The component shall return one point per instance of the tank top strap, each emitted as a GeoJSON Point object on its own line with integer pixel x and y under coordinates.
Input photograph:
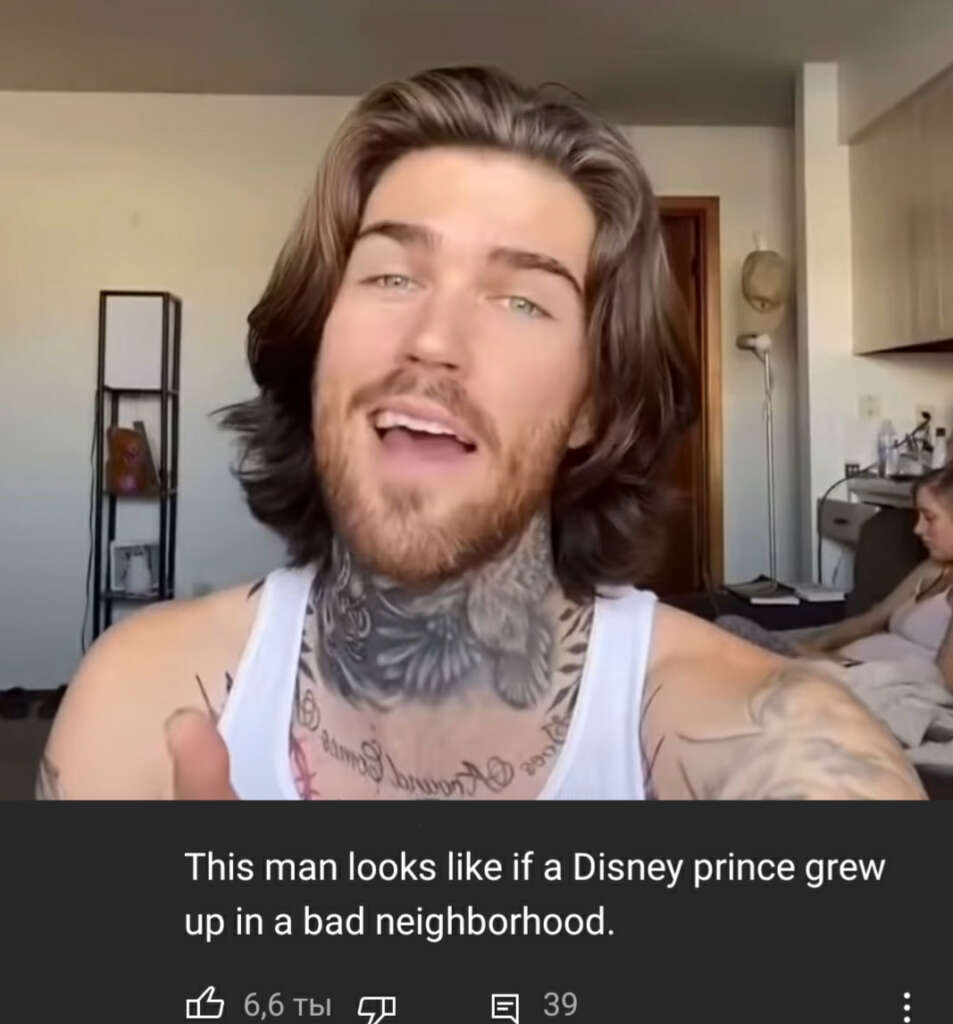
{"type": "Point", "coordinates": [602, 757]}
{"type": "Point", "coordinates": [255, 723]}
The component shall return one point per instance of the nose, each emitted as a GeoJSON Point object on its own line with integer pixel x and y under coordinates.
{"type": "Point", "coordinates": [439, 334]}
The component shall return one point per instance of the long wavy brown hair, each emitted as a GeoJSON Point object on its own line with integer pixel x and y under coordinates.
{"type": "Point", "coordinates": [607, 503]}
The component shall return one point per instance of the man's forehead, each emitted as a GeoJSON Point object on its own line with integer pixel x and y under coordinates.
{"type": "Point", "coordinates": [484, 201]}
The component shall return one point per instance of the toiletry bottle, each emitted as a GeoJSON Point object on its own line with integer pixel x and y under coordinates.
{"type": "Point", "coordinates": [886, 449]}
{"type": "Point", "coordinates": [939, 449]}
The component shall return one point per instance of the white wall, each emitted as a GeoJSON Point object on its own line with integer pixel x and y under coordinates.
{"type": "Point", "coordinates": [900, 382]}
{"type": "Point", "coordinates": [906, 45]}
{"type": "Point", "coordinates": [751, 170]}
{"type": "Point", "coordinates": [183, 193]}
{"type": "Point", "coordinates": [194, 194]}
{"type": "Point", "coordinates": [824, 292]}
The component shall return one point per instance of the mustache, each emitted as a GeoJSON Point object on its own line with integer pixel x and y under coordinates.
{"type": "Point", "coordinates": [444, 391]}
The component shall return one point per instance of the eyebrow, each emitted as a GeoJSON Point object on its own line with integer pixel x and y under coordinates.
{"type": "Point", "coordinates": [422, 237]}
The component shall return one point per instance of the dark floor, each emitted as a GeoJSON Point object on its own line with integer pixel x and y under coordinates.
{"type": "Point", "coordinates": [21, 744]}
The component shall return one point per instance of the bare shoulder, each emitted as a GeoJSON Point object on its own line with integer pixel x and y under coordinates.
{"type": "Point", "coordinates": [724, 719]}
{"type": "Point", "coordinates": [106, 741]}
{"type": "Point", "coordinates": [924, 575]}
{"type": "Point", "coordinates": [680, 639]}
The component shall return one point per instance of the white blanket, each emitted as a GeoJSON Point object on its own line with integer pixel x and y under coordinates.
{"type": "Point", "coordinates": [909, 697]}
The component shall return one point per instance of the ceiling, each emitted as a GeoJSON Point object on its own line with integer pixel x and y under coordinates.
{"type": "Point", "coordinates": [639, 61]}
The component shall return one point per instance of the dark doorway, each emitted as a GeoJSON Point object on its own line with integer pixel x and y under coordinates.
{"type": "Point", "coordinates": [694, 529]}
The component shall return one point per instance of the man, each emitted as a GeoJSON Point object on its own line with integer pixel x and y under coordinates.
{"type": "Point", "coordinates": [471, 366]}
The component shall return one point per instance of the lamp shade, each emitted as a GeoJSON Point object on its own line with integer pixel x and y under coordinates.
{"type": "Point", "coordinates": [765, 287]}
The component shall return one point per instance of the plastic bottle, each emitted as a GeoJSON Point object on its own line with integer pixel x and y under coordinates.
{"type": "Point", "coordinates": [938, 461]}
{"type": "Point", "coordinates": [886, 449]}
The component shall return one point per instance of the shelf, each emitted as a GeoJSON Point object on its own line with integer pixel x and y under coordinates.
{"type": "Point", "coordinates": [171, 493]}
{"type": "Point", "coordinates": [121, 595]}
{"type": "Point", "coordinates": [878, 490]}
{"type": "Point", "coordinates": [132, 328]}
{"type": "Point", "coordinates": [139, 391]}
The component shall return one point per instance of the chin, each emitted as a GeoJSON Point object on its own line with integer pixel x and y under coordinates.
{"type": "Point", "coordinates": [416, 545]}
{"type": "Point", "coordinates": [421, 522]}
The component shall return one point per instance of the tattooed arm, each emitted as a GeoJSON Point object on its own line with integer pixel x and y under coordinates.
{"type": "Point", "coordinates": [723, 720]}
{"type": "Point", "coordinates": [107, 741]}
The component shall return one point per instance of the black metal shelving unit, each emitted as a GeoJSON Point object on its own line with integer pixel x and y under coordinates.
{"type": "Point", "coordinates": [108, 405]}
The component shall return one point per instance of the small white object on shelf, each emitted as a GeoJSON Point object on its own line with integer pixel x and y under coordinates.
{"type": "Point", "coordinates": [817, 592]}
{"type": "Point", "coordinates": [763, 590]}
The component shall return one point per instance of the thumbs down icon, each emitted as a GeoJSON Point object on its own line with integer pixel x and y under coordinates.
{"type": "Point", "coordinates": [377, 1008]}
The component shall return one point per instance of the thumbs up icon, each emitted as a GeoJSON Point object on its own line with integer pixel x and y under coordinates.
{"type": "Point", "coordinates": [205, 1006]}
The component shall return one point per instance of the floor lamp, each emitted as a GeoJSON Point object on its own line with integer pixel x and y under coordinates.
{"type": "Point", "coordinates": [764, 285]}
{"type": "Point", "coordinates": [760, 345]}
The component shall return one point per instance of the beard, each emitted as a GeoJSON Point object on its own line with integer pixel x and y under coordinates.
{"type": "Point", "coordinates": [399, 530]}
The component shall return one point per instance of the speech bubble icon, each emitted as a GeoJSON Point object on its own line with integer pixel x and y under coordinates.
{"type": "Point", "coordinates": [505, 1006]}
{"type": "Point", "coordinates": [377, 1008]}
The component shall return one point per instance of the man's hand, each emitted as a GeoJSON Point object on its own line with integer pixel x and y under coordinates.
{"type": "Point", "coordinates": [200, 761]}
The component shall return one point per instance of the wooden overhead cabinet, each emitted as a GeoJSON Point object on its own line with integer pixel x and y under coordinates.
{"type": "Point", "coordinates": [901, 184]}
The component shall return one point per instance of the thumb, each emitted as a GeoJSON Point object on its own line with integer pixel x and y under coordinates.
{"type": "Point", "coordinates": [200, 763]}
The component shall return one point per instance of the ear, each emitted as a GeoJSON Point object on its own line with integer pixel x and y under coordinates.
{"type": "Point", "coordinates": [583, 428]}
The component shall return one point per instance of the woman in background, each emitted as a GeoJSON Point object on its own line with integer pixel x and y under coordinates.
{"type": "Point", "coordinates": [916, 619]}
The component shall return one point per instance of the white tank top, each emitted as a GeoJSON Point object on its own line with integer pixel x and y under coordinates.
{"type": "Point", "coordinates": [916, 630]}
{"type": "Point", "coordinates": [600, 758]}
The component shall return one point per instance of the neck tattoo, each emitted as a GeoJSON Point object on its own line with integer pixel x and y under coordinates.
{"type": "Point", "coordinates": [366, 757]}
{"type": "Point", "coordinates": [505, 626]}
{"type": "Point", "coordinates": [379, 642]}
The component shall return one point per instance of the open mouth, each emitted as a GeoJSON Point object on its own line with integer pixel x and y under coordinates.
{"type": "Point", "coordinates": [401, 433]}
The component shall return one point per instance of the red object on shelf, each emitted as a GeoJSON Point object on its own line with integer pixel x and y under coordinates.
{"type": "Point", "coordinates": [130, 469]}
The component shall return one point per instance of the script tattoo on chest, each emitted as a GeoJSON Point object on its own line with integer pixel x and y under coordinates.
{"type": "Point", "coordinates": [372, 762]}
{"type": "Point", "coordinates": [369, 759]}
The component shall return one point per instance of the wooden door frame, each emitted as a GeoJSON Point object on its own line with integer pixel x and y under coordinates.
{"type": "Point", "coordinates": [705, 210]}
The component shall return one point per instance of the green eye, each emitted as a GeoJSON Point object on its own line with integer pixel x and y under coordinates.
{"type": "Point", "coordinates": [519, 304]}
{"type": "Point", "coordinates": [390, 281]}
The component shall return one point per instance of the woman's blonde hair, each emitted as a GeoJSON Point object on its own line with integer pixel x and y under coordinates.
{"type": "Point", "coordinates": [939, 482]}
{"type": "Point", "coordinates": [607, 501]}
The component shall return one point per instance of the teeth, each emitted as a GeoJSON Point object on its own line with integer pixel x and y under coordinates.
{"type": "Point", "coordinates": [387, 419]}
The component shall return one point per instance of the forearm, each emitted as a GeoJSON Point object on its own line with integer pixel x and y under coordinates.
{"type": "Point", "coordinates": [800, 736]}
{"type": "Point", "coordinates": [839, 634]}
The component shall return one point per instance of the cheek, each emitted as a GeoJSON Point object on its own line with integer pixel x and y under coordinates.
{"type": "Point", "coordinates": [535, 385]}
{"type": "Point", "coordinates": [354, 348]}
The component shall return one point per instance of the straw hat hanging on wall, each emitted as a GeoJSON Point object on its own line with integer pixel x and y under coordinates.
{"type": "Point", "coordinates": [765, 286]}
